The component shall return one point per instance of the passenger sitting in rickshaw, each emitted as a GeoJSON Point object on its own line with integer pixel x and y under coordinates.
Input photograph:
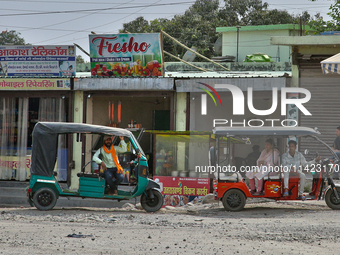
{"type": "Point", "coordinates": [269, 157]}
{"type": "Point", "coordinates": [252, 157]}
{"type": "Point", "coordinates": [113, 171]}
{"type": "Point", "coordinates": [294, 160]}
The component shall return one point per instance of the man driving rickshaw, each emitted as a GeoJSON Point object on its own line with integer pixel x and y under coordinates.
{"type": "Point", "coordinates": [295, 161]}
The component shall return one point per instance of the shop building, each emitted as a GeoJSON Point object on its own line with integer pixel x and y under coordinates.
{"type": "Point", "coordinates": [246, 40]}
{"type": "Point", "coordinates": [307, 53]}
{"type": "Point", "coordinates": [147, 103]}
{"type": "Point", "coordinates": [35, 86]}
{"type": "Point", "coordinates": [24, 102]}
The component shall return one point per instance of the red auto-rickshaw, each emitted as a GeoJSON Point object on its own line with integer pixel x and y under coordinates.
{"type": "Point", "coordinates": [230, 185]}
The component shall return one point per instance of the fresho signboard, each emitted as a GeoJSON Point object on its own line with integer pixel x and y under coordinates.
{"type": "Point", "coordinates": [33, 60]}
{"type": "Point", "coordinates": [126, 55]}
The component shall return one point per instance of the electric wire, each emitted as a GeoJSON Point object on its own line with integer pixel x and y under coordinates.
{"type": "Point", "coordinates": [91, 10]}
{"type": "Point", "coordinates": [89, 29]}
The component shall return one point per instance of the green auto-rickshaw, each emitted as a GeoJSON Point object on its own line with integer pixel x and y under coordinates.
{"type": "Point", "coordinates": [44, 189]}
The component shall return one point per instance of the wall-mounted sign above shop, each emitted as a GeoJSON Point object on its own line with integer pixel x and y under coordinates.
{"type": "Point", "coordinates": [30, 60]}
{"type": "Point", "coordinates": [34, 84]}
{"type": "Point", "coordinates": [126, 55]}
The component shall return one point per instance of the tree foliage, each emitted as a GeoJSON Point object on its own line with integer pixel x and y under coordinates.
{"type": "Point", "coordinates": [80, 60]}
{"type": "Point", "coordinates": [318, 24]}
{"type": "Point", "coordinates": [11, 37]}
{"type": "Point", "coordinates": [197, 26]}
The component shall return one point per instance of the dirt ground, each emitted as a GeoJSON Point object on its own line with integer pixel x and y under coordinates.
{"type": "Point", "coordinates": [261, 228]}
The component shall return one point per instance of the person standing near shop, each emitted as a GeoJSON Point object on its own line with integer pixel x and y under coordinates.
{"type": "Point", "coordinates": [113, 171]}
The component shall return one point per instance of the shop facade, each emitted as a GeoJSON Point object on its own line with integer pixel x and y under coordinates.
{"type": "Point", "coordinates": [36, 83]}
{"type": "Point", "coordinates": [135, 103]}
{"type": "Point", "coordinates": [181, 157]}
{"type": "Point", "coordinates": [222, 113]}
{"type": "Point", "coordinates": [24, 102]}
{"type": "Point", "coordinates": [307, 53]}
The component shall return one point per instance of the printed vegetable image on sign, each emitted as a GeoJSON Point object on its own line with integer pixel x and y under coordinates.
{"type": "Point", "coordinates": [126, 55]}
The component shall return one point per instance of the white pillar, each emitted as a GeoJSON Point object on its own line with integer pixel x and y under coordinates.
{"type": "Point", "coordinates": [88, 146]}
{"type": "Point", "coordinates": [77, 146]}
{"type": "Point", "coordinates": [295, 76]}
{"type": "Point", "coordinates": [181, 109]}
{"type": "Point", "coordinates": [181, 117]}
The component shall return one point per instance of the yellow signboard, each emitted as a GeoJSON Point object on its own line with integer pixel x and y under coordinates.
{"type": "Point", "coordinates": [35, 84]}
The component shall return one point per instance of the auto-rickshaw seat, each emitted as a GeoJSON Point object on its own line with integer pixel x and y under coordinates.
{"type": "Point", "coordinates": [90, 175]}
{"type": "Point", "coordinates": [273, 177]}
{"type": "Point", "coordinates": [234, 177]}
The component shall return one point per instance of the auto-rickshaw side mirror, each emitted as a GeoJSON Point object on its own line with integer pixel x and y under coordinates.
{"type": "Point", "coordinates": [306, 152]}
{"type": "Point", "coordinates": [212, 156]}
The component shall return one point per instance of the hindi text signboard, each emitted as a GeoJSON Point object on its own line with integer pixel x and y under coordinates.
{"type": "Point", "coordinates": [30, 60]}
{"type": "Point", "coordinates": [178, 191]}
{"type": "Point", "coordinates": [34, 84]}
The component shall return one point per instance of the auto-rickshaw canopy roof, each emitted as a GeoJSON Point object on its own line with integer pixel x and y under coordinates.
{"type": "Point", "coordinates": [45, 141]}
{"type": "Point", "coordinates": [264, 131]}
{"type": "Point", "coordinates": [48, 128]}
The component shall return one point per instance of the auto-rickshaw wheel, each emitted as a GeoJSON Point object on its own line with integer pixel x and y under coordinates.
{"type": "Point", "coordinates": [44, 199]}
{"type": "Point", "coordinates": [152, 205]}
{"type": "Point", "coordinates": [234, 200]}
{"type": "Point", "coordinates": [331, 200]}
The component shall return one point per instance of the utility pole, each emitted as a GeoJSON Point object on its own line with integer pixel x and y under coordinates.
{"type": "Point", "coordinates": [238, 30]}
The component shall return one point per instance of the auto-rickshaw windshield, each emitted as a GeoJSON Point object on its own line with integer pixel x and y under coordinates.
{"type": "Point", "coordinates": [138, 147]}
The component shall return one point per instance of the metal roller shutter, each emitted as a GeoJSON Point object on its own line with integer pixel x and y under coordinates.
{"type": "Point", "coordinates": [324, 106]}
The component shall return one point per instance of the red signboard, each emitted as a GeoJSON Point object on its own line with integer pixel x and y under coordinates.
{"type": "Point", "coordinates": [179, 191]}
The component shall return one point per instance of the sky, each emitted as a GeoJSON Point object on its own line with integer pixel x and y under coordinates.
{"type": "Point", "coordinates": [64, 22]}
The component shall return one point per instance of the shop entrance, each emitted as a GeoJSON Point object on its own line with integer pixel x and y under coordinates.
{"type": "Point", "coordinates": [135, 110]}
{"type": "Point", "coordinates": [161, 120]}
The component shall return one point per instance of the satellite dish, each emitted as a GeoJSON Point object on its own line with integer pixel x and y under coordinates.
{"type": "Point", "coordinates": [190, 56]}
{"type": "Point", "coordinates": [218, 46]}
